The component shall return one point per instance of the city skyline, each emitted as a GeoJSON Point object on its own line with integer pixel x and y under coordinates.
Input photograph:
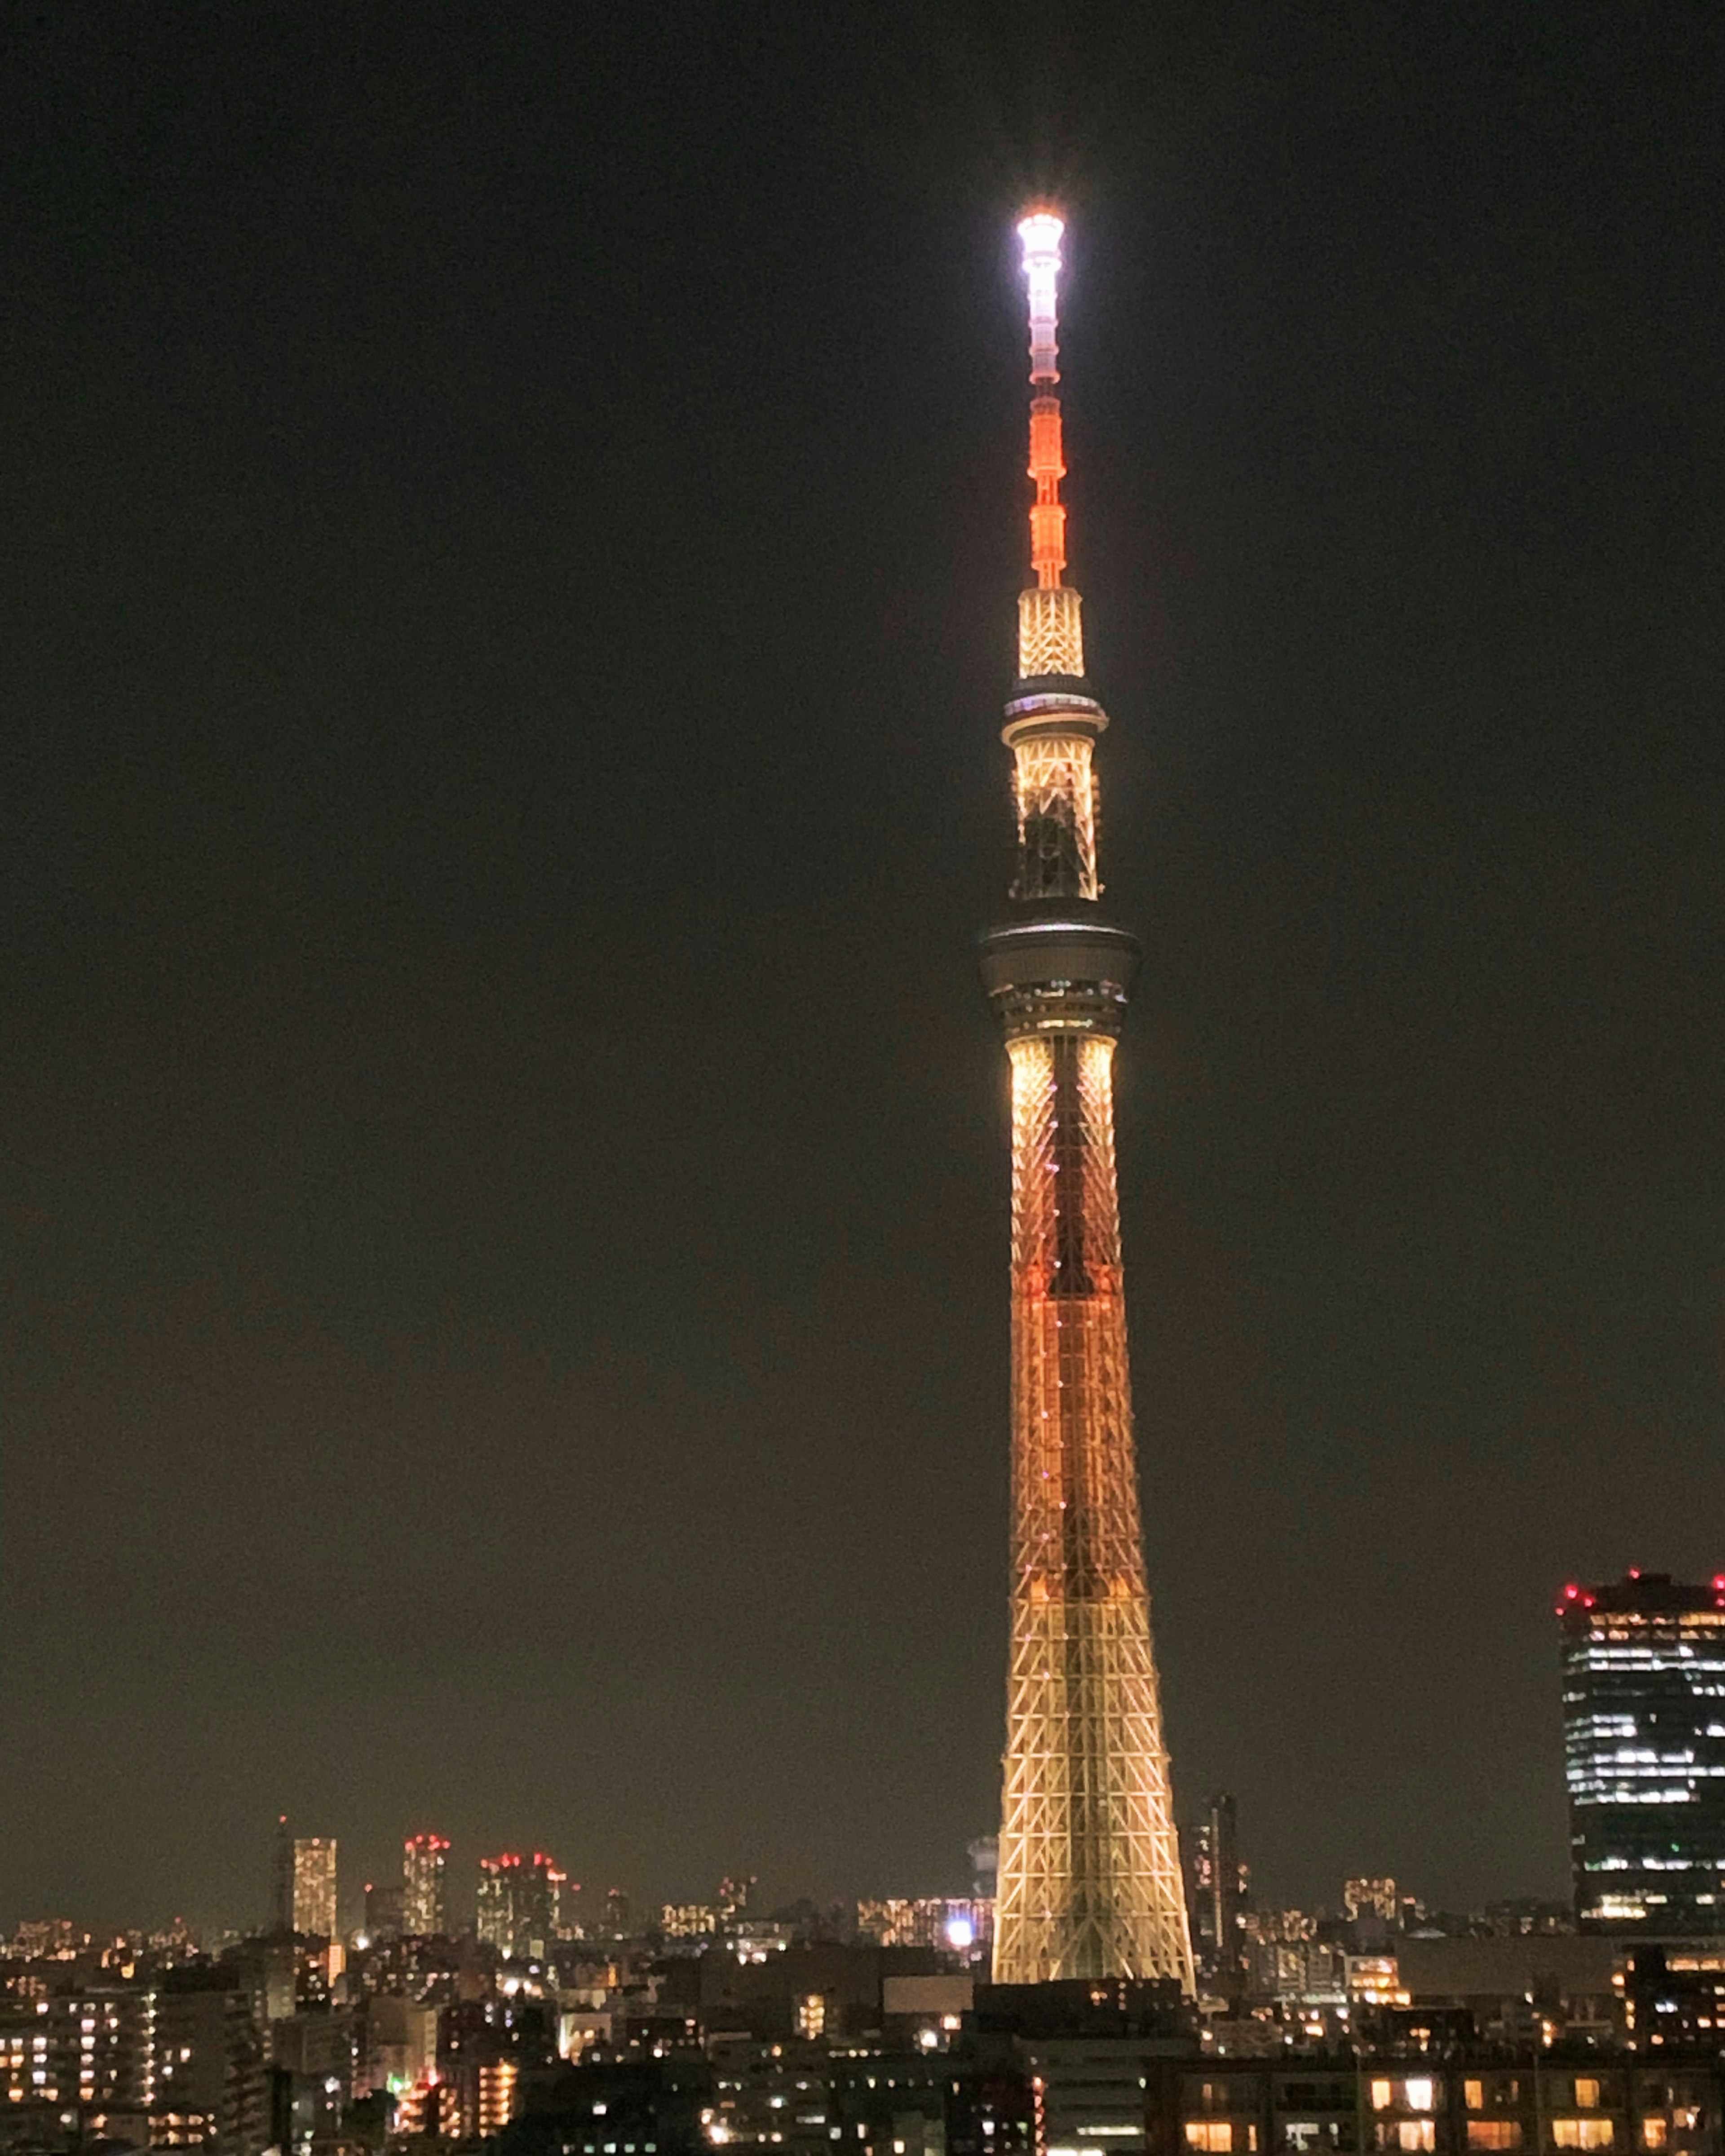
{"type": "Point", "coordinates": [506, 1147]}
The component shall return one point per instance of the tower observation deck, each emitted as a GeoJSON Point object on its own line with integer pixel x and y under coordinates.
{"type": "Point", "coordinates": [1090, 1881]}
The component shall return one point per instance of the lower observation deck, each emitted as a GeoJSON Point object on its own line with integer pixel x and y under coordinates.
{"type": "Point", "coordinates": [1060, 969]}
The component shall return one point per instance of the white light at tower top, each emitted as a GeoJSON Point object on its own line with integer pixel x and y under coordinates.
{"type": "Point", "coordinates": [1040, 235]}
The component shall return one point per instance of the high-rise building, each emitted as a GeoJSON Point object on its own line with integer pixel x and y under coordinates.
{"type": "Point", "coordinates": [519, 1903]}
{"type": "Point", "coordinates": [1217, 1882]}
{"type": "Point", "coordinates": [1090, 1880]}
{"type": "Point", "coordinates": [209, 2059]}
{"type": "Point", "coordinates": [733, 1901]}
{"type": "Point", "coordinates": [83, 2047]}
{"type": "Point", "coordinates": [539, 1906]}
{"type": "Point", "coordinates": [383, 1911]}
{"type": "Point", "coordinates": [314, 1899]}
{"type": "Point", "coordinates": [281, 1878]}
{"type": "Point", "coordinates": [495, 1900]}
{"type": "Point", "coordinates": [1644, 1753]}
{"type": "Point", "coordinates": [1370, 1898]}
{"type": "Point", "coordinates": [423, 1908]}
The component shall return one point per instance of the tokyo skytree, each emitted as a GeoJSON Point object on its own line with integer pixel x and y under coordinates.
{"type": "Point", "coordinates": [1090, 1881]}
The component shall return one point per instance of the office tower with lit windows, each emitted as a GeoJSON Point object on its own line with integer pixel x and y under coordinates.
{"type": "Point", "coordinates": [314, 1899]}
{"type": "Point", "coordinates": [519, 1903]}
{"type": "Point", "coordinates": [424, 1911]}
{"type": "Point", "coordinates": [383, 1911]}
{"type": "Point", "coordinates": [494, 1901]}
{"type": "Point", "coordinates": [539, 1906]}
{"type": "Point", "coordinates": [1368, 1898]}
{"type": "Point", "coordinates": [1644, 1753]}
{"type": "Point", "coordinates": [79, 2048]}
{"type": "Point", "coordinates": [1089, 1878]}
{"type": "Point", "coordinates": [281, 1878]}
{"type": "Point", "coordinates": [1217, 1886]}
{"type": "Point", "coordinates": [733, 1901]}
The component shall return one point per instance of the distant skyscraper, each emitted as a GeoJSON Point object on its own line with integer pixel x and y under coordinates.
{"type": "Point", "coordinates": [314, 1899]}
{"type": "Point", "coordinates": [1090, 1880]}
{"type": "Point", "coordinates": [1370, 1898]}
{"type": "Point", "coordinates": [425, 1910]}
{"type": "Point", "coordinates": [281, 1879]}
{"type": "Point", "coordinates": [540, 1908]}
{"type": "Point", "coordinates": [494, 1901]}
{"type": "Point", "coordinates": [518, 1903]}
{"type": "Point", "coordinates": [384, 1912]}
{"type": "Point", "coordinates": [1217, 1889]}
{"type": "Point", "coordinates": [733, 1902]}
{"type": "Point", "coordinates": [1644, 1746]}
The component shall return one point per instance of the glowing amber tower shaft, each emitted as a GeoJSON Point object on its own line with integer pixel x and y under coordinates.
{"type": "Point", "coordinates": [1089, 1877]}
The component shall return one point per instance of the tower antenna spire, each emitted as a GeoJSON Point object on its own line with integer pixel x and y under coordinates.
{"type": "Point", "coordinates": [1040, 233]}
{"type": "Point", "coordinates": [1090, 1881]}
{"type": "Point", "coordinates": [1051, 635]}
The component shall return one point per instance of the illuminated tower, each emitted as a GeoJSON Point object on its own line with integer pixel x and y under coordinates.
{"type": "Point", "coordinates": [314, 1899]}
{"type": "Point", "coordinates": [425, 1914]}
{"type": "Point", "coordinates": [1090, 1882]}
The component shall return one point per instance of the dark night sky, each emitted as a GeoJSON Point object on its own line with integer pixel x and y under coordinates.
{"type": "Point", "coordinates": [514, 516]}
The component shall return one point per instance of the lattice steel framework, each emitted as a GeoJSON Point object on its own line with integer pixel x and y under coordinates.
{"type": "Point", "coordinates": [1090, 1882]}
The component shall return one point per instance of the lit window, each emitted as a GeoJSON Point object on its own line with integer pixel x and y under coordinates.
{"type": "Point", "coordinates": [1494, 2133]}
{"type": "Point", "coordinates": [1215, 2137]}
{"type": "Point", "coordinates": [1654, 2133]}
{"type": "Point", "coordinates": [1587, 2095]}
{"type": "Point", "coordinates": [1414, 2134]}
{"type": "Point", "coordinates": [1581, 2133]}
{"type": "Point", "coordinates": [1382, 2094]}
{"type": "Point", "coordinates": [1473, 2095]}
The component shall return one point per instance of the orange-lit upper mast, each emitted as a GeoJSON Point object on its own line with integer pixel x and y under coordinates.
{"type": "Point", "coordinates": [1040, 233]}
{"type": "Point", "coordinates": [1050, 638]}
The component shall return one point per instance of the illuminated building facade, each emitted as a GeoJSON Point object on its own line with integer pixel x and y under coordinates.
{"type": "Point", "coordinates": [733, 1902]}
{"type": "Point", "coordinates": [281, 1881]}
{"type": "Point", "coordinates": [497, 2079]}
{"type": "Point", "coordinates": [688, 1920]}
{"type": "Point", "coordinates": [1673, 1996]}
{"type": "Point", "coordinates": [384, 1912]}
{"type": "Point", "coordinates": [519, 1903]}
{"type": "Point", "coordinates": [1216, 1881]}
{"type": "Point", "coordinates": [85, 2047]}
{"type": "Point", "coordinates": [953, 1924]}
{"type": "Point", "coordinates": [425, 1908]}
{"type": "Point", "coordinates": [315, 1901]}
{"type": "Point", "coordinates": [1449, 2106]}
{"type": "Point", "coordinates": [1089, 1878]}
{"type": "Point", "coordinates": [1644, 1754]}
{"type": "Point", "coordinates": [494, 1901]}
{"type": "Point", "coordinates": [1370, 1898]}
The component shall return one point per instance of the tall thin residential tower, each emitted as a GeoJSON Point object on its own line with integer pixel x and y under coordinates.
{"type": "Point", "coordinates": [1090, 1882]}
